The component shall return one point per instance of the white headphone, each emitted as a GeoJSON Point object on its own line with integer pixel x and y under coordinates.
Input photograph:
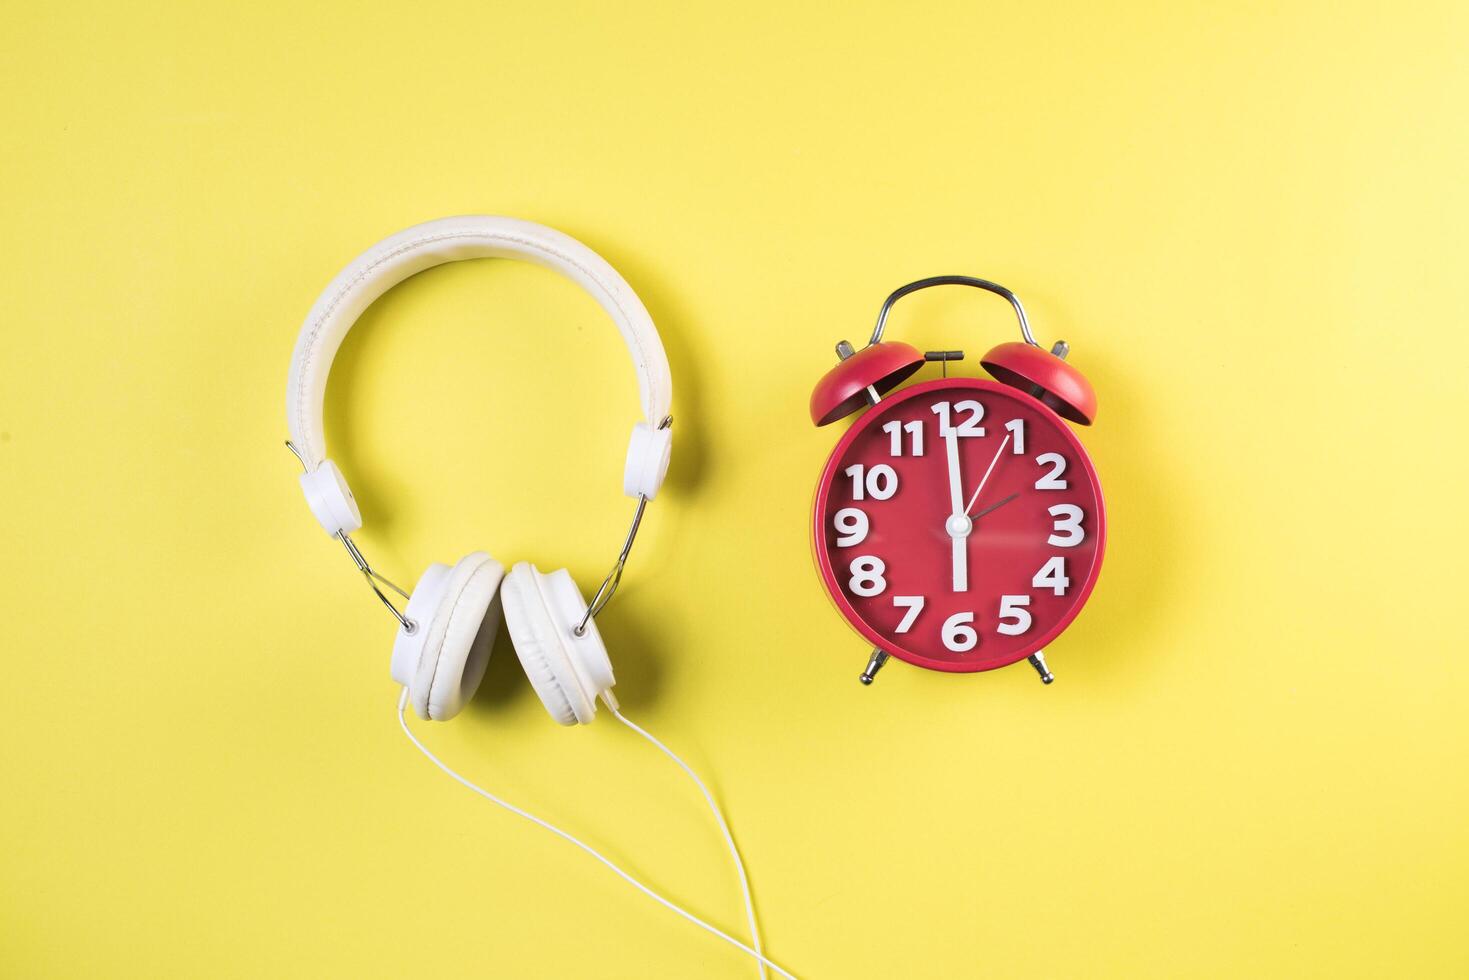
{"type": "Point", "coordinates": [448, 627]}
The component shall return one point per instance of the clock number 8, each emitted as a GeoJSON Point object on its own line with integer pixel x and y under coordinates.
{"type": "Point", "coordinates": [867, 576]}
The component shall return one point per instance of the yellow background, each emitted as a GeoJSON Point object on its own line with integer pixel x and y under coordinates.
{"type": "Point", "coordinates": [1247, 219]}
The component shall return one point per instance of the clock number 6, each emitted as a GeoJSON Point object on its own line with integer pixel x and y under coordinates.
{"type": "Point", "coordinates": [958, 635]}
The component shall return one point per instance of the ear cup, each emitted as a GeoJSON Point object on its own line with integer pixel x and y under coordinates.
{"type": "Point", "coordinates": [567, 671]}
{"type": "Point", "coordinates": [457, 638]}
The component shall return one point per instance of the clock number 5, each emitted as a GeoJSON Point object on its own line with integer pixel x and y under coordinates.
{"type": "Point", "coordinates": [1012, 607]}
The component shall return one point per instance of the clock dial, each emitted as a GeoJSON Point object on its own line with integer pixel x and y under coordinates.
{"type": "Point", "coordinates": [959, 525]}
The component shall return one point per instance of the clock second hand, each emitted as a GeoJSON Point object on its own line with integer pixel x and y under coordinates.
{"type": "Point", "coordinates": [985, 479]}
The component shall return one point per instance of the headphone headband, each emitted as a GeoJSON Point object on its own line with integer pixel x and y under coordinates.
{"type": "Point", "coordinates": [432, 243]}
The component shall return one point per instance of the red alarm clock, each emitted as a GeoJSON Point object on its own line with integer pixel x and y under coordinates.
{"type": "Point", "coordinates": [958, 523]}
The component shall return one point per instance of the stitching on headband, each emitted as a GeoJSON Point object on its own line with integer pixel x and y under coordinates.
{"type": "Point", "coordinates": [418, 243]}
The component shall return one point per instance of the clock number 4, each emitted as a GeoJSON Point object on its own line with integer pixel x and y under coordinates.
{"type": "Point", "coordinates": [878, 482]}
{"type": "Point", "coordinates": [1052, 575]}
{"type": "Point", "coordinates": [895, 430]}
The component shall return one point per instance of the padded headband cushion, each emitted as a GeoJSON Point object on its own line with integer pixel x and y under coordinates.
{"type": "Point", "coordinates": [433, 243]}
{"type": "Point", "coordinates": [459, 637]}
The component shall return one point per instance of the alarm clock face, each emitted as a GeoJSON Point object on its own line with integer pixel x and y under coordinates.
{"type": "Point", "coordinates": [959, 525]}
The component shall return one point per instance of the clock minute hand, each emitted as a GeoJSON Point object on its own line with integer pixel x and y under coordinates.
{"type": "Point", "coordinates": [958, 541]}
{"type": "Point", "coordinates": [956, 492]}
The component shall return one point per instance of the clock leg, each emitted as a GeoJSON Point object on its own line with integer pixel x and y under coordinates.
{"type": "Point", "coordinates": [1038, 661]}
{"type": "Point", "coordinates": [874, 664]}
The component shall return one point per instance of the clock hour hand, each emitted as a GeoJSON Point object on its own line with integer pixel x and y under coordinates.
{"type": "Point", "coordinates": [956, 524]}
{"type": "Point", "coordinates": [975, 517]}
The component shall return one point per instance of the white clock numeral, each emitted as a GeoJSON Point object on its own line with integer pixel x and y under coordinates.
{"type": "Point", "coordinates": [1067, 520]}
{"type": "Point", "coordinates": [878, 482]}
{"type": "Point", "coordinates": [1051, 480]}
{"type": "Point", "coordinates": [895, 430]}
{"type": "Point", "coordinates": [851, 525]}
{"type": "Point", "coordinates": [867, 580]}
{"type": "Point", "coordinates": [1016, 428]}
{"type": "Point", "coordinates": [1052, 576]}
{"type": "Point", "coordinates": [1013, 607]}
{"type": "Point", "coordinates": [958, 635]}
{"type": "Point", "coordinates": [914, 605]}
{"type": "Point", "coordinates": [969, 427]}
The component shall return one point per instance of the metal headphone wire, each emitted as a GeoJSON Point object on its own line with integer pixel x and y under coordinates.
{"type": "Point", "coordinates": [756, 952]}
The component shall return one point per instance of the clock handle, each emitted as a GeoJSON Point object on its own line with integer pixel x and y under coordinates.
{"type": "Point", "coordinates": [913, 287]}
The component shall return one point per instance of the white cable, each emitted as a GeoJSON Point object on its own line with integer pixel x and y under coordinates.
{"type": "Point", "coordinates": [403, 721]}
{"type": "Point", "coordinates": [734, 852]}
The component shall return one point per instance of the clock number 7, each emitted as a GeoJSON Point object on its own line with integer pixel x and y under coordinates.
{"type": "Point", "coordinates": [914, 605]}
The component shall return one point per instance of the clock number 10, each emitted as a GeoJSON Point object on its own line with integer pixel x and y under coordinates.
{"type": "Point", "coordinates": [878, 482]}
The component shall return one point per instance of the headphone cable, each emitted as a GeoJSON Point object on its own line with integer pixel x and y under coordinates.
{"type": "Point", "coordinates": [564, 835]}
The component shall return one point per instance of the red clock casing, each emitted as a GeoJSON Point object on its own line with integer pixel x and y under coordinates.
{"type": "Point", "coordinates": [889, 552]}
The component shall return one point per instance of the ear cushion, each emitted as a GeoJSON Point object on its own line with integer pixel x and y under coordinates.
{"type": "Point", "coordinates": [536, 643]}
{"type": "Point", "coordinates": [459, 637]}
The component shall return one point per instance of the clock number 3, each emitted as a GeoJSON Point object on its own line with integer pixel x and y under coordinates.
{"type": "Point", "coordinates": [1068, 533]}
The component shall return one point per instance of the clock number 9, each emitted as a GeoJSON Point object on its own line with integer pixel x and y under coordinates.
{"type": "Point", "coordinates": [867, 580]}
{"type": "Point", "coordinates": [851, 525]}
